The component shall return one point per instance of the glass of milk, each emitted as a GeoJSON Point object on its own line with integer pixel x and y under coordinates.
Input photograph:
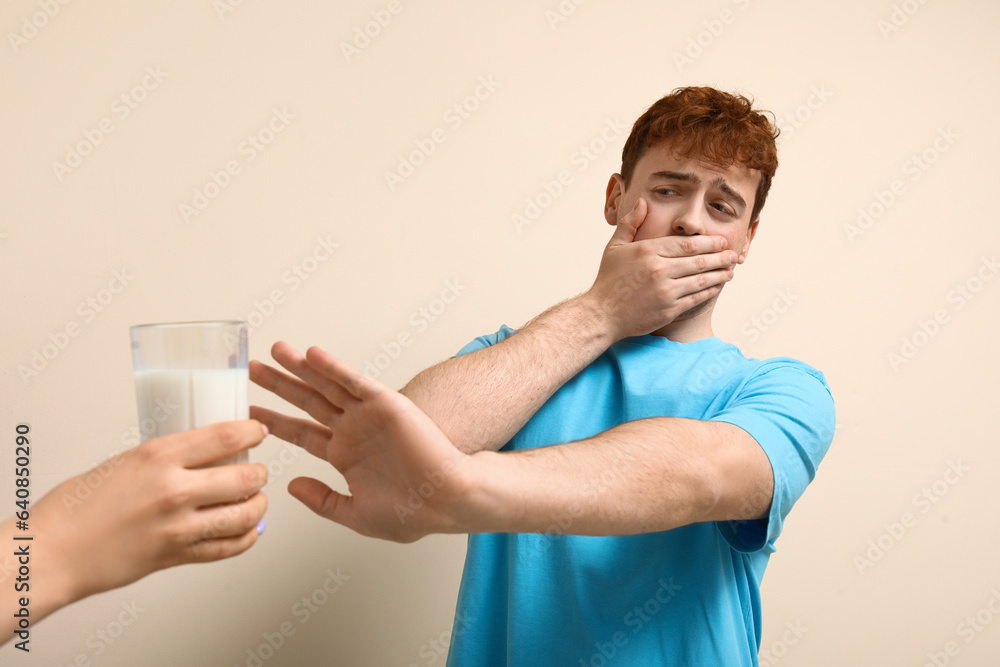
{"type": "Point", "coordinates": [190, 374]}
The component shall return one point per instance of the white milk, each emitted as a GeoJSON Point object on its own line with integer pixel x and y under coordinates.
{"type": "Point", "coordinates": [179, 400]}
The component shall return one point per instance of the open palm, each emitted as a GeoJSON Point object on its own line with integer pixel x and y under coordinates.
{"type": "Point", "coordinates": [404, 476]}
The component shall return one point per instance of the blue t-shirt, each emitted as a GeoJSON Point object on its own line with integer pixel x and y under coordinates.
{"type": "Point", "coordinates": [683, 597]}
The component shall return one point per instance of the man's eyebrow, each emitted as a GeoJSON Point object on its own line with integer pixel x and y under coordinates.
{"type": "Point", "coordinates": [728, 190]}
{"type": "Point", "coordinates": [677, 176]}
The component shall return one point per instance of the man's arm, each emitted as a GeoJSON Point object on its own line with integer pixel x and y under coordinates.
{"type": "Point", "coordinates": [642, 476]}
{"type": "Point", "coordinates": [406, 479]}
{"type": "Point", "coordinates": [482, 399]}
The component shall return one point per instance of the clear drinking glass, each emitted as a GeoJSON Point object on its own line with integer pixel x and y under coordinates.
{"type": "Point", "coordinates": [190, 374]}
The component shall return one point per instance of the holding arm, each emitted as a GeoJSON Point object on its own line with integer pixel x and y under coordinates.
{"type": "Point", "coordinates": [153, 508]}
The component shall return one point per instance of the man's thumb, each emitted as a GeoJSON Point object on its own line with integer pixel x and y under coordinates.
{"type": "Point", "coordinates": [629, 223]}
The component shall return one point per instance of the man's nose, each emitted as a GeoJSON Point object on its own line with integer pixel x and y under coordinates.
{"type": "Point", "coordinates": [688, 221]}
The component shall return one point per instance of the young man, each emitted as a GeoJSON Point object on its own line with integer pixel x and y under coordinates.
{"type": "Point", "coordinates": [622, 472]}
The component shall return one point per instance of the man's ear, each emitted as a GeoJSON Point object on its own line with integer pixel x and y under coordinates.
{"type": "Point", "coordinates": [616, 188]}
{"type": "Point", "coordinates": [751, 232]}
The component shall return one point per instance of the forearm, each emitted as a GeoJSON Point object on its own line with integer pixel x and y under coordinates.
{"type": "Point", "coordinates": [150, 511]}
{"type": "Point", "coordinates": [642, 476]}
{"type": "Point", "coordinates": [480, 400]}
{"type": "Point", "coordinates": [30, 578]}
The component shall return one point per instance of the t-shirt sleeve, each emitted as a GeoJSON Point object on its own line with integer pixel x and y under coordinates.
{"type": "Point", "coordinates": [788, 409]}
{"type": "Point", "coordinates": [482, 342]}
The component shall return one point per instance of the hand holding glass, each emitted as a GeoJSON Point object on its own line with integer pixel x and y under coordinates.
{"type": "Point", "coordinates": [190, 374]}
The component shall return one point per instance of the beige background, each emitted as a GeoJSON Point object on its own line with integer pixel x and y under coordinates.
{"type": "Point", "coordinates": [861, 88]}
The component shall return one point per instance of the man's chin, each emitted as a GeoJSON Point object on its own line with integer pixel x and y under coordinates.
{"type": "Point", "coordinates": [696, 311]}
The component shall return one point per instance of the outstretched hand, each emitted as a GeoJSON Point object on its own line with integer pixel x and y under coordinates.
{"type": "Point", "coordinates": [406, 479]}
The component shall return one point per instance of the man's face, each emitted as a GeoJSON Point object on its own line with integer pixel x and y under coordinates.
{"type": "Point", "coordinates": [687, 196]}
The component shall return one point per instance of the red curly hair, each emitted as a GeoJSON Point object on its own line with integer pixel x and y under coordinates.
{"type": "Point", "coordinates": [711, 125]}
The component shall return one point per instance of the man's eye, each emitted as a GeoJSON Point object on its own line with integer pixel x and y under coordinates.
{"type": "Point", "coordinates": [725, 210]}
{"type": "Point", "coordinates": [665, 191]}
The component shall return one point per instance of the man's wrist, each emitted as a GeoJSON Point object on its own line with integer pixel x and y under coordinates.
{"type": "Point", "coordinates": [491, 505]}
{"type": "Point", "coordinates": [594, 318]}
